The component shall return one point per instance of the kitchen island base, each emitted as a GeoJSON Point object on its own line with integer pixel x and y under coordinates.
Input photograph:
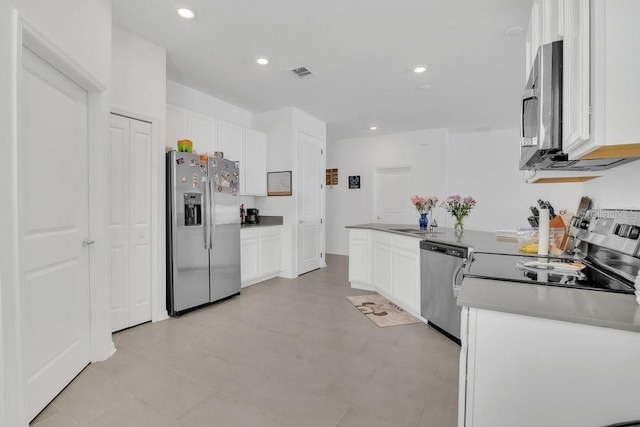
{"type": "Point", "coordinates": [527, 371]}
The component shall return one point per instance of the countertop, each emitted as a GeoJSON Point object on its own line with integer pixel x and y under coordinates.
{"type": "Point", "coordinates": [265, 221]}
{"type": "Point", "coordinates": [480, 241]}
{"type": "Point", "coordinates": [604, 309]}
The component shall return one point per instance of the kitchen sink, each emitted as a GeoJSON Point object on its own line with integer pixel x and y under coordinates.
{"type": "Point", "coordinates": [418, 232]}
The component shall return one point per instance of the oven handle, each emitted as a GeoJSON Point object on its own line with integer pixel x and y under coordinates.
{"type": "Point", "coordinates": [454, 281]}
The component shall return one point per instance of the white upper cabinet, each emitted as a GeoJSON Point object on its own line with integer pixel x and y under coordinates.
{"type": "Point", "coordinates": [614, 84]}
{"type": "Point", "coordinates": [246, 146]}
{"type": "Point", "coordinates": [230, 141]}
{"type": "Point", "coordinates": [254, 172]}
{"type": "Point", "coordinates": [202, 132]}
{"type": "Point", "coordinates": [576, 59]}
{"type": "Point", "coordinates": [546, 25]}
{"type": "Point", "coordinates": [186, 124]}
{"type": "Point", "coordinates": [176, 126]}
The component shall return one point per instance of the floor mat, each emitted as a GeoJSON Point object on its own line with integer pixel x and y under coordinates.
{"type": "Point", "coordinates": [381, 311]}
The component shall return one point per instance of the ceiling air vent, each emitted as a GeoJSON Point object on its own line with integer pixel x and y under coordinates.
{"type": "Point", "coordinates": [301, 71]}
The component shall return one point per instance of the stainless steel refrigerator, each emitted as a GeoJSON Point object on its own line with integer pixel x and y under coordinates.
{"type": "Point", "coordinates": [203, 230]}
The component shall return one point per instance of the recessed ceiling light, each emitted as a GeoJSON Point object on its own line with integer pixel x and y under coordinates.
{"type": "Point", "coordinates": [373, 128]}
{"type": "Point", "coordinates": [262, 61]}
{"type": "Point", "coordinates": [186, 13]}
{"type": "Point", "coordinates": [513, 31]}
{"type": "Point", "coordinates": [420, 69]}
{"type": "Point", "coordinates": [424, 87]}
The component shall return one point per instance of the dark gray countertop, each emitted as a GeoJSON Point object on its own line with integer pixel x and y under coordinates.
{"type": "Point", "coordinates": [480, 241]}
{"type": "Point", "coordinates": [265, 221]}
{"type": "Point", "coordinates": [605, 309]}
{"type": "Point", "coordinates": [610, 310]}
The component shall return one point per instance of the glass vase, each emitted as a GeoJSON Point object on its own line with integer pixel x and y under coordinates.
{"type": "Point", "coordinates": [459, 225]}
{"type": "Point", "coordinates": [423, 222]}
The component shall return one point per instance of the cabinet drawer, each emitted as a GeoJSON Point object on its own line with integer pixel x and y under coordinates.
{"type": "Point", "coordinates": [246, 234]}
{"type": "Point", "coordinates": [407, 243]}
{"type": "Point", "coordinates": [269, 231]}
{"type": "Point", "coordinates": [355, 234]}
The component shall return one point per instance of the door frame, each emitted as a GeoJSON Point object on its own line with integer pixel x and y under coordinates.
{"type": "Point", "coordinates": [158, 200]}
{"type": "Point", "coordinates": [26, 34]}
{"type": "Point", "coordinates": [321, 201]}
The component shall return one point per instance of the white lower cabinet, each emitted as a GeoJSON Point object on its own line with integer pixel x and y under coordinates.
{"type": "Point", "coordinates": [388, 264]}
{"type": "Point", "coordinates": [518, 370]}
{"type": "Point", "coordinates": [406, 273]}
{"type": "Point", "coordinates": [382, 263]}
{"type": "Point", "coordinates": [260, 254]}
{"type": "Point", "coordinates": [359, 257]}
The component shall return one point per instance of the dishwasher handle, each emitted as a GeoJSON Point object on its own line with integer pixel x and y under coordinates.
{"type": "Point", "coordinates": [454, 280]}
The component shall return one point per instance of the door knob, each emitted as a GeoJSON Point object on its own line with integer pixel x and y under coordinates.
{"type": "Point", "coordinates": [377, 217]}
{"type": "Point", "coordinates": [86, 242]}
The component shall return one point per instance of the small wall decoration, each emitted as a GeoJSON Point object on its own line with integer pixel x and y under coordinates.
{"type": "Point", "coordinates": [331, 177]}
{"type": "Point", "coordinates": [354, 181]}
{"type": "Point", "coordinates": [279, 183]}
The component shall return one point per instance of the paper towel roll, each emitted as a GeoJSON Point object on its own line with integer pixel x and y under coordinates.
{"type": "Point", "coordinates": [543, 232]}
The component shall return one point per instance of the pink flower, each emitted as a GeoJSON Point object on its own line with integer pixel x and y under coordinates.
{"type": "Point", "coordinates": [456, 197]}
{"type": "Point", "coordinates": [469, 200]}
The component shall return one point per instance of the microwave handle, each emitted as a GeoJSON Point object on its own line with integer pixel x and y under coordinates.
{"type": "Point", "coordinates": [527, 94]}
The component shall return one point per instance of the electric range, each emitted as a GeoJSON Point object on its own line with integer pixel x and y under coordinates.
{"type": "Point", "coordinates": [606, 257]}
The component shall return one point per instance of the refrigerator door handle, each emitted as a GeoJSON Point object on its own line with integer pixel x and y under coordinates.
{"type": "Point", "coordinates": [207, 243]}
{"type": "Point", "coordinates": [212, 216]}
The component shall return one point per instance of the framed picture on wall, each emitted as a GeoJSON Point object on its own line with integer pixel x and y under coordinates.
{"type": "Point", "coordinates": [279, 183]}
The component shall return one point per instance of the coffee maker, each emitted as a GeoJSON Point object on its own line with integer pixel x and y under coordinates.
{"type": "Point", "coordinates": [253, 216]}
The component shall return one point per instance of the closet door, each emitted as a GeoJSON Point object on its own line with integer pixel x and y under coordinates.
{"type": "Point", "coordinates": [130, 214]}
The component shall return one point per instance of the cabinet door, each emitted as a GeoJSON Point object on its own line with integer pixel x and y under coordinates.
{"type": "Point", "coordinates": [202, 132]}
{"type": "Point", "coordinates": [249, 255]}
{"type": "Point", "coordinates": [552, 20]}
{"type": "Point", "coordinates": [176, 127]}
{"type": "Point", "coordinates": [382, 263]}
{"type": "Point", "coordinates": [576, 74]}
{"type": "Point", "coordinates": [230, 141]}
{"type": "Point", "coordinates": [269, 254]}
{"type": "Point", "coordinates": [406, 277]}
{"type": "Point", "coordinates": [359, 256]}
{"type": "Point", "coordinates": [253, 173]}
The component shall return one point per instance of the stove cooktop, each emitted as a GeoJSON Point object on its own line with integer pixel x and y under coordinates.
{"type": "Point", "coordinates": [517, 268]}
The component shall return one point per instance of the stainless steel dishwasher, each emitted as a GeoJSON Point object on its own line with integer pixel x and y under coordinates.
{"type": "Point", "coordinates": [440, 267]}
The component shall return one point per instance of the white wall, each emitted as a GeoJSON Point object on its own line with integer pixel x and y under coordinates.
{"type": "Point", "coordinates": [82, 30]}
{"type": "Point", "coordinates": [183, 96]}
{"type": "Point", "coordinates": [485, 165]}
{"type": "Point", "coordinates": [282, 127]}
{"type": "Point", "coordinates": [617, 188]}
{"type": "Point", "coordinates": [138, 90]}
{"type": "Point", "coordinates": [425, 150]}
{"type": "Point", "coordinates": [279, 127]}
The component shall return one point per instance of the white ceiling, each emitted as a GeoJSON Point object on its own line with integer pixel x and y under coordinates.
{"type": "Point", "coordinates": [362, 51]}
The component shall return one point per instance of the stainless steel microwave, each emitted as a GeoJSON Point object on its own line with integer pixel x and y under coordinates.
{"type": "Point", "coordinates": [541, 119]}
{"type": "Point", "coordinates": [541, 108]}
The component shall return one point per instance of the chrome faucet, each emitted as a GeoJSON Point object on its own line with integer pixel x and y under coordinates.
{"type": "Point", "coordinates": [433, 224]}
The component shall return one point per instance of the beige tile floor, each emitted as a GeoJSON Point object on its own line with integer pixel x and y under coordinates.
{"type": "Point", "coordinates": [284, 353]}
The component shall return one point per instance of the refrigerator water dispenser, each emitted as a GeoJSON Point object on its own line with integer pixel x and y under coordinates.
{"type": "Point", "coordinates": [192, 209]}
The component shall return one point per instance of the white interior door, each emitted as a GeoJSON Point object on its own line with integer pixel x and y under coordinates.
{"type": "Point", "coordinates": [392, 195]}
{"type": "Point", "coordinates": [130, 221]}
{"type": "Point", "coordinates": [310, 179]}
{"type": "Point", "coordinates": [53, 209]}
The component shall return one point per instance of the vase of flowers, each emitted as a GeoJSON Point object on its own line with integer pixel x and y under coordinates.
{"type": "Point", "coordinates": [424, 205]}
{"type": "Point", "coordinates": [459, 208]}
